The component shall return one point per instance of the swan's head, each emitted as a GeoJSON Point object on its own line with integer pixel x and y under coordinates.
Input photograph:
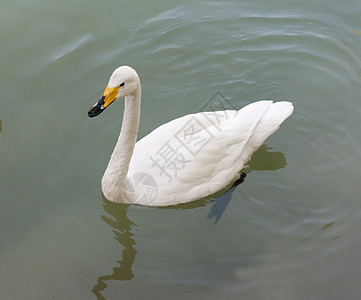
{"type": "Point", "coordinates": [123, 82]}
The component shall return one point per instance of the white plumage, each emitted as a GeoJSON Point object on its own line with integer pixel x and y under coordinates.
{"type": "Point", "coordinates": [186, 159]}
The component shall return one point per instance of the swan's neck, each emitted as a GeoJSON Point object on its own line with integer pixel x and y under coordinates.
{"type": "Point", "coordinates": [115, 175]}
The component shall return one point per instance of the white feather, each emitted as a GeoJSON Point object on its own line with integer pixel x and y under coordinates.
{"type": "Point", "coordinates": [187, 158]}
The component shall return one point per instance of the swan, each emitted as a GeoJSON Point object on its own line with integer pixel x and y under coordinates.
{"type": "Point", "coordinates": [186, 159]}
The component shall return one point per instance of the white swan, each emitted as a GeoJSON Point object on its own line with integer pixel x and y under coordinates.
{"type": "Point", "coordinates": [186, 159]}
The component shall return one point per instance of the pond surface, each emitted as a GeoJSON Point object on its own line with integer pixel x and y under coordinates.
{"type": "Point", "coordinates": [289, 231]}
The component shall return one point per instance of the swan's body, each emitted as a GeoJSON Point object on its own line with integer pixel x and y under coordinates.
{"type": "Point", "coordinates": [186, 159]}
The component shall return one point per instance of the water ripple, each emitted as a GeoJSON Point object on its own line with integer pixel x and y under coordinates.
{"type": "Point", "coordinates": [72, 46]}
{"type": "Point", "coordinates": [304, 58]}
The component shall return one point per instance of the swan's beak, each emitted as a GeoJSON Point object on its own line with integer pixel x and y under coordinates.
{"type": "Point", "coordinates": [109, 96]}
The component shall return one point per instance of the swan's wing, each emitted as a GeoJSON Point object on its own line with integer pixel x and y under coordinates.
{"type": "Point", "coordinates": [196, 155]}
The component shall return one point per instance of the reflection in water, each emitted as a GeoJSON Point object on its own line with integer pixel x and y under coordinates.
{"type": "Point", "coordinates": [262, 160]}
{"type": "Point", "coordinates": [123, 234]}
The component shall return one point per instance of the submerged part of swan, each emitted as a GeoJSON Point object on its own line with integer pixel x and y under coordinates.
{"type": "Point", "coordinates": [186, 159]}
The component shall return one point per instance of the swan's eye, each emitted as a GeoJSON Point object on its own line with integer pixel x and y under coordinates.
{"type": "Point", "coordinates": [122, 84]}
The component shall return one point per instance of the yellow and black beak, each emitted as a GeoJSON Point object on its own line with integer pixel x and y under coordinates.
{"type": "Point", "coordinates": [109, 96]}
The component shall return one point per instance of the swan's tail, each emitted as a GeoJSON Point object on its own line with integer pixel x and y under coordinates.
{"type": "Point", "coordinates": [270, 122]}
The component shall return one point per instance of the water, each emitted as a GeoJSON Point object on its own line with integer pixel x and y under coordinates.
{"type": "Point", "coordinates": [290, 231]}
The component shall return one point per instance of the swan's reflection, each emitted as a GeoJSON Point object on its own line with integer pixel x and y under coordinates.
{"type": "Point", "coordinates": [122, 228]}
{"type": "Point", "coordinates": [262, 160]}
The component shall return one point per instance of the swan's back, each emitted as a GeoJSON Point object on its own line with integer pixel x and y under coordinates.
{"type": "Point", "coordinates": [270, 122]}
{"type": "Point", "coordinates": [208, 156]}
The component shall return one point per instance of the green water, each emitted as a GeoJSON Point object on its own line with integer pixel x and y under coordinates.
{"type": "Point", "coordinates": [290, 231]}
